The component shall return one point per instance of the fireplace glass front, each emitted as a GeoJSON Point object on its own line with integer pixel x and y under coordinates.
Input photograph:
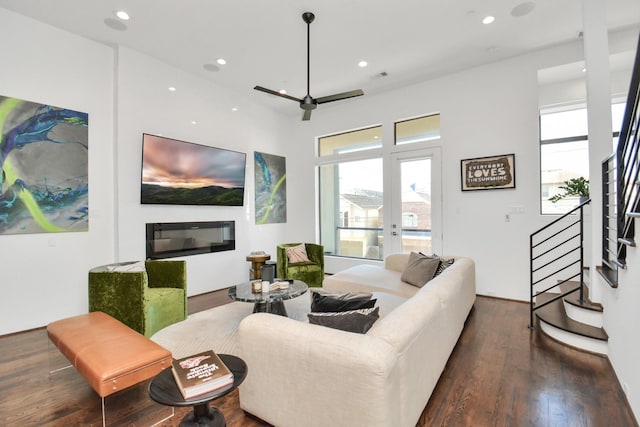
{"type": "Point", "coordinates": [177, 239]}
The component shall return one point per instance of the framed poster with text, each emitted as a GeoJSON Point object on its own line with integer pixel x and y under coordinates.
{"type": "Point", "coordinates": [488, 173]}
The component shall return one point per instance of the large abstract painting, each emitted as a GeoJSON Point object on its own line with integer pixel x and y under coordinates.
{"type": "Point", "coordinates": [271, 189]}
{"type": "Point", "coordinates": [44, 163]}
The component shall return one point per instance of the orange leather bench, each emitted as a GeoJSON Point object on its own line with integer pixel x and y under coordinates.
{"type": "Point", "coordinates": [106, 352]}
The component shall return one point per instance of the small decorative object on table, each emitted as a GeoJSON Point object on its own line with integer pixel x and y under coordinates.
{"type": "Point", "coordinates": [279, 285]}
{"type": "Point", "coordinates": [257, 260]}
{"type": "Point", "coordinates": [201, 373]}
{"type": "Point", "coordinates": [256, 286]}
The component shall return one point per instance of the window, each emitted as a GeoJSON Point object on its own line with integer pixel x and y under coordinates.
{"type": "Point", "coordinates": [349, 142]}
{"type": "Point", "coordinates": [351, 208]}
{"type": "Point", "coordinates": [409, 219]}
{"type": "Point", "coordinates": [420, 129]}
{"type": "Point", "coordinates": [564, 152]}
{"type": "Point", "coordinates": [352, 204]}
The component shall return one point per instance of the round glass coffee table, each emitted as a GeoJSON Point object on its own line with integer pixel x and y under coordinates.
{"type": "Point", "coordinates": [269, 302]}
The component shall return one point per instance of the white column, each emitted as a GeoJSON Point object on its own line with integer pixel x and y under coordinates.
{"type": "Point", "coordinates": [596, 55]}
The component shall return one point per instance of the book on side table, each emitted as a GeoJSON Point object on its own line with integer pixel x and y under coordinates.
{"type": "Point", "coordinates": [201, 373]}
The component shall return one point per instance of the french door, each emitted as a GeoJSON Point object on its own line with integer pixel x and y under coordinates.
{"type": "Point", "coordinates": [416, 208]}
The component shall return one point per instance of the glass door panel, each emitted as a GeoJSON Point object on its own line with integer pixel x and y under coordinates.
{"type": "Point", "coordinates": [415, 222]}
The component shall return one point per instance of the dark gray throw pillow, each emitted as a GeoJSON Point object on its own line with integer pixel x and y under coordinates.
{"type": "Point", "coordinates": [358, 321]}
{"type": "Point", "coordinates": [419, 270]}
{"type": "Point", "coordinates": [334, 302]}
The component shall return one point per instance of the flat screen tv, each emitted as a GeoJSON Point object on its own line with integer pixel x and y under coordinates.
{"type": "Point", "coordinates": [183, 173]}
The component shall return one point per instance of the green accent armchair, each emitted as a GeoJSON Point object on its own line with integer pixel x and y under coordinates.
{"type": "Point", "coordinates": [312, 272]}
{"type": "Point", "coordinates": [146, 301]}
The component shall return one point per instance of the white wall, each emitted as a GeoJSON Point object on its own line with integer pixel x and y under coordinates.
{"type": "Point", "coordinates": [44, 275]}
{"type": "Point", "coordinates": [145, 105]}
{"type": "Point", "coordinates": [621, 317]}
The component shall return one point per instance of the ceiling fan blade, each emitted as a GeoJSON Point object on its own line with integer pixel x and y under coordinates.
{"type": "Point", "coordinates": [306, 114]}
{"type": "Point", "coordinates": [340, 96]}
{"type": "Point", "coordinates": [273, 92]}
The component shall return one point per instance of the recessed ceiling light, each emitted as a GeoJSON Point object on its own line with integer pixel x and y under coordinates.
{"type": "Point", "coordinates": [584, 70]}
{"type": "Point", "coordinates": [362, 64]}
{"type": "Point", "coordinates": [221, 61]}
{"type": "Point", "coordinates": [234, 109]}
{"type": "Point", "coordinates": [488, 19]}
{"type": "Point", "coordinates": [282, 92]}
{"type": "Point", "coordinates": [122, 15]}
{"type": "Point", "coordinates": [193, 122]}
{"type": "Point", "coordinates": [172, 89]}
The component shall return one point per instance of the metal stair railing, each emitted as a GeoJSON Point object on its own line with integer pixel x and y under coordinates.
{"type": "Point", "coordinates": [557, 257]}
{"type": "Point", "coordinates": [620, 186]}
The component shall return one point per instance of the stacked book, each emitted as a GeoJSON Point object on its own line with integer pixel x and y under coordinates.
{"type": "Point", "coordinates": [200, 374]}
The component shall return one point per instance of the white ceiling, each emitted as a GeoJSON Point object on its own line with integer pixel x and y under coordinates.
{"type": "Point", "coordinates": [264, 42]}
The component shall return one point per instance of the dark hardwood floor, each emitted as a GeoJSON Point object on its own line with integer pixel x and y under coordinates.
{"type": "Point", "coordinates": [500, 374]}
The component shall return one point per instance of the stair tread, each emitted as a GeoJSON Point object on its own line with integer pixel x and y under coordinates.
{"type": "Point", "coordinates": [555, 314]}
{"type": "Point", "coordinates": [574, 299]}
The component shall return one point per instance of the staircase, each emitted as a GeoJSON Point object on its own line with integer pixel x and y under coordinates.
{"type": "Point", "coordinates": [559, 291]}
{"type": "Point", "coordinates": [559, 295]}
{"type": "Point", "coordinates": [574, 322]}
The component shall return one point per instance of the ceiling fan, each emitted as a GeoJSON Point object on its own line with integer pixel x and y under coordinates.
{"type": "Point", "coordinates": [309, 103]}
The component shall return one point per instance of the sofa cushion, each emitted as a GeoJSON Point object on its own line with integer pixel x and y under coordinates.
{"type": "Point", "coordinates": [324, 302]}
{"type": "Point", "coordinates": [297, 253]}
{"type": "Point", "coordinates": [359, 321]}
{"type": "Point", "coordinates": [420, 269]}
{"type": "Point", "coordinates": [369, 278]}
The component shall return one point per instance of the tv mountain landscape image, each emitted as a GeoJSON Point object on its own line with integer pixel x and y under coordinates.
{"type": "Point", "coordinates": [183, 173]}
{"type": "Point", "coordinates": [212, 195]}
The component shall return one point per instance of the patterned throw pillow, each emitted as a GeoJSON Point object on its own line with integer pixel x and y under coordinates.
{"type": "Point", "coordinates": [358, 321]}
{"type": "Point", "coordinates": [297, 254]}
{"type": "Point", "coordinates": [445, 262]}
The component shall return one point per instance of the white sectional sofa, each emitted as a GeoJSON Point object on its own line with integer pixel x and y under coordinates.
{"type": "Point", "coordinates": [302, 374]}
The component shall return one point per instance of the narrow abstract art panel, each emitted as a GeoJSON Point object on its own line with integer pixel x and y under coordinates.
{"type": "Point", "coordinates": [44, 162]}
{"type": "Point", "coordinates": [271, 188]}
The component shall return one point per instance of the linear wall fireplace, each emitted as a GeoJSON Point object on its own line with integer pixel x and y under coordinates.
{"type": "Point", "coordinates": [176, 239]}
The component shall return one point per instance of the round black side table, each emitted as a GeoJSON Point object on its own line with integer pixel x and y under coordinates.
{"type": "Point", "coordinates": [164, 390]}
